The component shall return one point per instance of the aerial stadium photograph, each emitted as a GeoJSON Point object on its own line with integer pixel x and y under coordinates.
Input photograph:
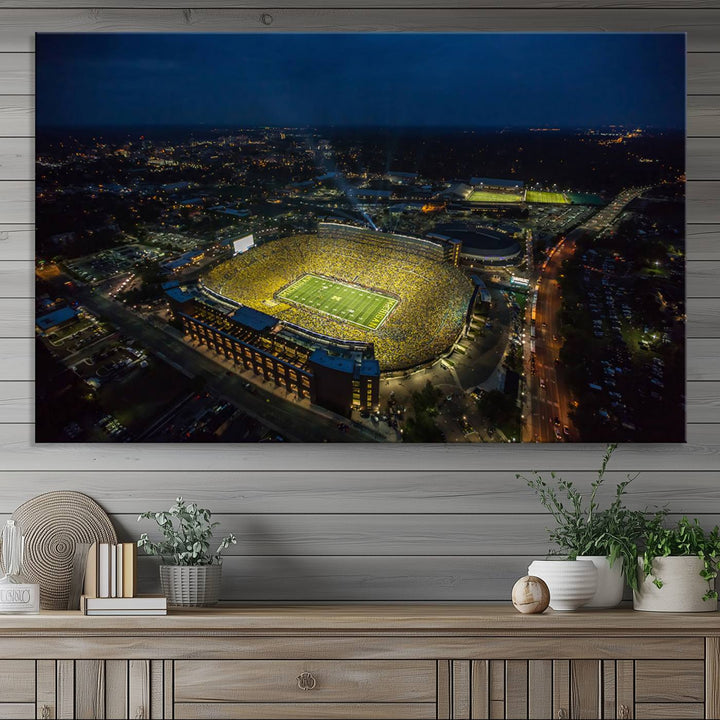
{"type": "Point", "coordinates": [366, 237]}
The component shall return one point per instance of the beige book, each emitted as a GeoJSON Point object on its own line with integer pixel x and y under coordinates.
{"type": "Point", "coordinates": [91, 572]}
{"type": "Point", "coordinates": [129, 570]}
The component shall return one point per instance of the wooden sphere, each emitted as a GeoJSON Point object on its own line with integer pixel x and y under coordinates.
{"type": "Point", "coordinates": [530, 594]}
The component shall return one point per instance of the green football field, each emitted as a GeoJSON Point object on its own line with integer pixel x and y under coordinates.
{"type": "Point", "coordinates": [485, 196]}
{"type": "Point", "coordinates": [345, 302]}
{"type": "Point", "coordinates": [541, 196]}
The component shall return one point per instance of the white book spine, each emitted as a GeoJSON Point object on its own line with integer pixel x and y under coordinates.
{"type": "Point", "coordinates": [126, 612]}
{"type": "Point", "coordinates": [113, 571]}
{"type": "Point", "coordinates": [104, 570]}
{"type": "Point", "coordinates": [119, 570]}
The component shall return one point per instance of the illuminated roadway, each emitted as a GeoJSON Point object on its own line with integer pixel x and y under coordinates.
{"type": "Point", "coordinates": [543, 405]}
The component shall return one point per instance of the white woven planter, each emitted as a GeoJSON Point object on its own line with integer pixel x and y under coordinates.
{"type": "Point", "coordinates": [191, 585]}
{"type": "Point", "coordinates": [683, 588]}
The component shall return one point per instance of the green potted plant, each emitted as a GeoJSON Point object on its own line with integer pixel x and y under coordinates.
{"type": "Point", "coordinates": [677, 568]}
{"type": "Point", "coordinates": [584, 530]}
{"type": "Point", "coordinates": [190, 573]}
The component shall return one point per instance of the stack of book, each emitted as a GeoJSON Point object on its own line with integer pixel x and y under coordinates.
{"type": "Point", "coordinates": [138, 605]}
{"type": "Point", "coordinates": [111, 583]}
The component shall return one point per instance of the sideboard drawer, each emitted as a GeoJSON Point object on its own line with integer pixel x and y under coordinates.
{"type": "Point", "coordinates": [305, 681]}
{"type": "Point", "coordinates": [671, 681]}
{"type": "Point", "coordinates": [17, 681]}
{"type": "Point", "coordinates": [16, 711]}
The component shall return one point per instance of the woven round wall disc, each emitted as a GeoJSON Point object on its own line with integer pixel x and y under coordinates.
{"type": "Point", "coordinates": [52, 524]}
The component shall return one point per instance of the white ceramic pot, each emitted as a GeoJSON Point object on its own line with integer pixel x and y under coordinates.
{"type": "Point", "coordinates": [610, 582]}
{"type": "Point", "coordinates": [683, 588]}
{"type": "Point", "coordinates": [571, 582]}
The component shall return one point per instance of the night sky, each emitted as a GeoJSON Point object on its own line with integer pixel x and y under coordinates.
{"type": "Point", "coordinates": [403, 80]}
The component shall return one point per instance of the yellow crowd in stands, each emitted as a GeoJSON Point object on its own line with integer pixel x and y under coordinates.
{"type": "Point", "coordinates": [433, 295]}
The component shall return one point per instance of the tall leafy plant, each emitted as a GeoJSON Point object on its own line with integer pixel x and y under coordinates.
{"type": "Point", "coordinates": [187, 530]}
{"type": "Point", "coordinates": [583, 527]}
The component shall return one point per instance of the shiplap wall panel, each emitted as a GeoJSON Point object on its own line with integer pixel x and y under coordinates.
{"type": "Point", "coordinates": [17, 241]}
{"type": "Point", "coordinates": [703, 317]}
{"type": "Point", "coordinates": [16, 73]}
{"type": "Point", "coordinates": [388, 523]}
{"type": "Point", "coordinates": [578, 6]}
{"type": "Point", "coordinates": [703, 115]}
{"type": "Point", "coordinates": [17, 115]}
{"type": "Point", "coordinates": [386, 535]}
{"type": "Point", "coordinates": [375, 534]}
{"type": "Point", "coordinates": [17, 201]}
{"type": "Point", "coordinates": [17, 26]}
{"type": "Point", "coordinates": [256, 493]}
{"type": "Point", "coordinates": [703, 241]}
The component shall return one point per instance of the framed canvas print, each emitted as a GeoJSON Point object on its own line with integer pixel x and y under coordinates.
{"type": "Point", "coordinates": [439, 238]}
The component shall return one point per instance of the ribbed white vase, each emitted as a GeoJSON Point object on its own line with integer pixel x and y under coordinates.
{"type": "Point", "coordinates": [610, 582]}
{"type": "Point", "coordinates": [683, 588]}
{"type": "Point", "coordinates": [571, 582]}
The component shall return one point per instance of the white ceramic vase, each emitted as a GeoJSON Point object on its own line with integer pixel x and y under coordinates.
{"type": "Point", "coordinates": [610, 582]}
{"type": "Point", "coordinates": [571, 582]}
{"type": "Point", "coordinates": [682, 590]}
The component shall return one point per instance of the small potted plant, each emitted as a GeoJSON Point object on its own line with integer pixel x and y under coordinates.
{"type": "Point", "coordinates": [677, 568]}
{"type": "Point", "coordinates": [189, 574]}
{"type": "Point", "coordinates": [606, 537]}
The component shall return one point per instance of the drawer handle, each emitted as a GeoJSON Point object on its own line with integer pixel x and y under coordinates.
{"type": "Point", "coordinates": [45, 712]}
{"type": "Point", "coordinates": [624, 713]}
{"type": "Point", "coordinates": [306, 681]}
{"type": "Point", "coordinates": [562, 715]}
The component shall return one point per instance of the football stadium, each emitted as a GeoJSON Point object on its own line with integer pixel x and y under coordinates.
{"type": "Point", "coordinates": [402, 296]}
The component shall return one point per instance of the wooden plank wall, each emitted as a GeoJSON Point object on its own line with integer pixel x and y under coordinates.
{"type": "Point", "coordinates": [389, 523]}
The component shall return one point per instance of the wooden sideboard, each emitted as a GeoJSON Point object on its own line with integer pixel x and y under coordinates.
{"type": "Point", "coordinates": [361, 662]}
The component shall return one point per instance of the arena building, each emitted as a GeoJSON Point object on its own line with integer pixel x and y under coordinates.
{"type": "Point", "coordinates": [337, 376]}
{"type": "Point", "coordinates": [403, 295]}
{"type": "Point", "coordinates": [479, 245]}
{"type": "Point", "coordinates": [322, 315]}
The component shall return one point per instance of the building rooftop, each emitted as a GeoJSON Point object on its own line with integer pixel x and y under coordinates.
{"type": "Point", "coordinates": [334, 362]}
{"type": "Point", "coordinates": [254, 319]}
{"type": "Point", "coordinates": [56, 317]}
{"type": "Point", "coordinates": [370, 367]}
{"type": "Point", "coordinates": [179, 295]}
